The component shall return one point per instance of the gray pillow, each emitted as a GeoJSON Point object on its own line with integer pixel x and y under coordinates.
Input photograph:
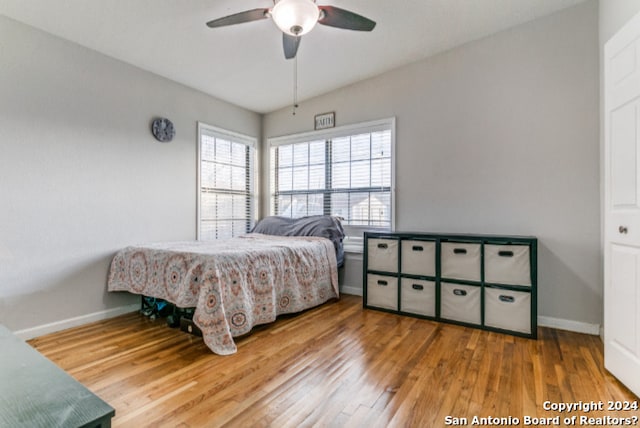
{"type": "Point", "coordinates": [316, 225]}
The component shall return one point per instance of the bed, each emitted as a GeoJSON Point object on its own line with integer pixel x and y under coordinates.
{"type": "Point", "coordinates": [234, 284]}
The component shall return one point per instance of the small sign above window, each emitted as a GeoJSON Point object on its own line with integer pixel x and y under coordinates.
{"type": "Point", "coordinates": [325, 120]}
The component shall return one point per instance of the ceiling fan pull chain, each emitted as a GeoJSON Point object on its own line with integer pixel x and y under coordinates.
{"type": "Point", "coordinates": [295, 84]}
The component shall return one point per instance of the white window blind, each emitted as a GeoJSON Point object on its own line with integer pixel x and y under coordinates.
{"type": "Point", "coordinates": [226, 195]}
{"type": "Point", "coordinates": [347, 173]}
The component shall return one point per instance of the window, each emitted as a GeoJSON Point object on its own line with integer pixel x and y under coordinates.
{"type": "Point", "coordinates": [346, 172]}
{"type": "Point", "coordinates": [226, 197]}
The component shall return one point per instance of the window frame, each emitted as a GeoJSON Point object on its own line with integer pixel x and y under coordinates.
{"type": "Point", "coordinates": [354, 233]}
{"type": "Point", "coordinates": [235, 137]}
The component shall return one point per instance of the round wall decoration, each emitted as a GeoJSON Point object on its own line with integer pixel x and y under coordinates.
{"type": "Point", "coordinates": [162, 128]}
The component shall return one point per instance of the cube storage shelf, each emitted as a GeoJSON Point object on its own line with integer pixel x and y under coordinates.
{"type": "Point", "coordinates": [482, 281]}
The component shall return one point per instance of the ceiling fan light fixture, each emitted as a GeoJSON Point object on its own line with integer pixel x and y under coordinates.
{"type": "Point", "coordinates": [295, 17]}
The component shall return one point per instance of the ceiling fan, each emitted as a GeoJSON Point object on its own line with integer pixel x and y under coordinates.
{"type": "Point", "coordinates": [296, 18]}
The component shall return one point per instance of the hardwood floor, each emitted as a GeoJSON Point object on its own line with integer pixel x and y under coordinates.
{"type": "Point", "coordinates": [336, 365]}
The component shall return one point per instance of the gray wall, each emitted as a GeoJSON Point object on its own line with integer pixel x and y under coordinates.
{"type": "Point", "coordinates": [614, 14]}
{"type": "Point", "coordinates": [496, 136]}
{"type": "Point", "coordinates": [80, 174]}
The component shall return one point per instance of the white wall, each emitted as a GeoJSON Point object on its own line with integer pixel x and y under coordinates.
{"type": "Point", "coordinates": [81, 175]}
{"type": "Point", "coordinates": [497, 136]}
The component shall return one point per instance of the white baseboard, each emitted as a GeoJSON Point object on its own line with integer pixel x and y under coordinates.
{"type": "Point", "coordinates": [355, 291]}
{"type": "Point", "coordinates": [575, 326]}
{"type": "Point", "coordinates": [602, 333]}
{"type": "Point", "coordinates": [30, 333]}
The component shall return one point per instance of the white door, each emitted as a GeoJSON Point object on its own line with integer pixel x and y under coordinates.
{"type": "Point", "coordinates": [622, 205]}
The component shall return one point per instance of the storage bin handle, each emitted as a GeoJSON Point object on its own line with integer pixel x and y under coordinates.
{"type": "Point", "coordinates": [382, 282]}
{"type": "Point", "coordinates": [417, 248]}
{"type": "Point", "coordinates": [505, 253]}
{"type": "Point", "coordinates": [506, 299]}
{"type": "Point", "coordinates": [459, 251]}
{"type": "Point", "coordinates": [383, 246]}
{"type": "Point", "coordinates": [417, 287]}
{"type": "Point", "coordinates": [459, 292]}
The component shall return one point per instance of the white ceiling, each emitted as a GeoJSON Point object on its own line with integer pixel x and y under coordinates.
{"type": "Point", "coordinates": [244, 64]}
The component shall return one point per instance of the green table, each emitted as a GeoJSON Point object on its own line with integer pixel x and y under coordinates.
{"type": "Point", "coordinates": [34, 392]}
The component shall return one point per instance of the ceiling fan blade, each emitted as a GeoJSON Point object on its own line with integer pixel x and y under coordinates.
{"type": "Point", "coordinates": [239, 18]}
{"type": "Point", "coordinates": [290, 44]}
{"type": "Point", "coordinates": [340, 18]}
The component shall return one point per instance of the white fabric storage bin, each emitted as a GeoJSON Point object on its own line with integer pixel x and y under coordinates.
{"type": "Point", "coordinates": [460, 302]}
{"type": "Point", "coordinates": [418, 257]}
{"type": "Point", "coordinates": [507, 309]}
{"type": "Point", "coordinates": [382, 254]}
{"type": "Point", "coordinates": [382, 291]}
{"type": "Point", "coordinates": [507, 264]}
{"type": "Point", "coordinates": [418, 296]}
{"type": "Point", "coordinates": [460, 260]}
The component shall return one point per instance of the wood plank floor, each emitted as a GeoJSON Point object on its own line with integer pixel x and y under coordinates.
{"type": "Point", "coordinates": [336, 365]}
